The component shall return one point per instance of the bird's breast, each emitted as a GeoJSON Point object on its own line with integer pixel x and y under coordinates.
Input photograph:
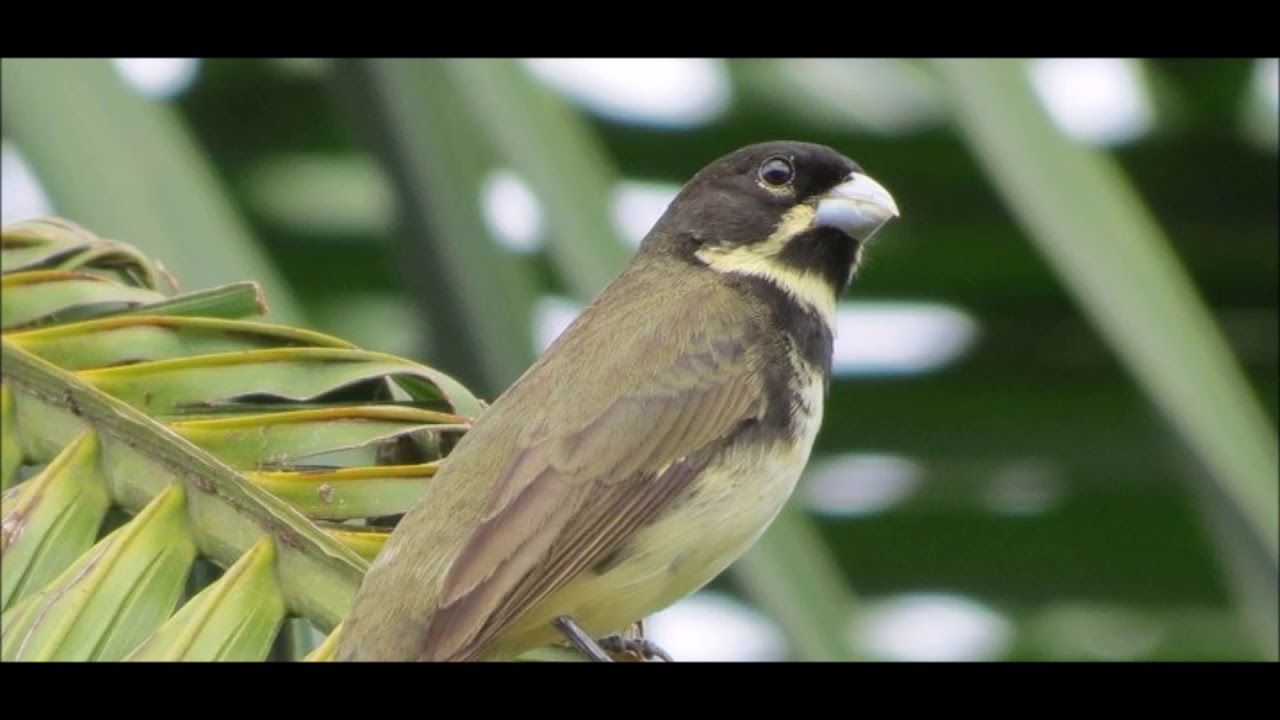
{"type": "Point", "coordinates": [734, 500]}
{"type": "Point", "coordinates": [712, 523]}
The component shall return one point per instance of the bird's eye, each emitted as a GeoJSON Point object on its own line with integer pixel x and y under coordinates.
{"type": "Point", "coordinates": [777, 171]}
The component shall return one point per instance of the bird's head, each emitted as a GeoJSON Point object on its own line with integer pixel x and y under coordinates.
{"type": "Point", "coordinates": [795, 213]}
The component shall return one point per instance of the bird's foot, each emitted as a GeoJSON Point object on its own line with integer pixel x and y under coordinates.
{"type": "Point", "coordinates": [635, 648]}
{"type": "Point", "coordinates": [631, 647]}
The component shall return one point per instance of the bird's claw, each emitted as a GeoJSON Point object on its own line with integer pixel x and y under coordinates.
{"type": "Point", "coordinates": [646, 650]}
{"type": "Point", "coordinates": [632, 645]}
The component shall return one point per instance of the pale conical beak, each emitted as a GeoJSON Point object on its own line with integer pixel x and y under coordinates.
{"type": "Point", "coordinates": [858, 207]}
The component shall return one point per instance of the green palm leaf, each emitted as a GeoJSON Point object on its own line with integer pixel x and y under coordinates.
{"type": "Point", "coordinates": [264, 449]}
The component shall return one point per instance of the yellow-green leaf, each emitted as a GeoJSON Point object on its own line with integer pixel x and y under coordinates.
{"type": "Point", "coordinates": [236, 618]}
{"type": "Point", "coordinates": [113, 597]}
{"type": "Point", "coordinates": [55, 520]}
{"type": "Point", "coordinates": [348, 492]}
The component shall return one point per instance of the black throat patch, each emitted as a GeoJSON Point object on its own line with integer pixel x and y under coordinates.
{"type": "Point", "coordinates": [810, 336]}
{"type": "Point", "coordinates": [797, 331]}
{"type": "Point", "coordinates": [823, 251]}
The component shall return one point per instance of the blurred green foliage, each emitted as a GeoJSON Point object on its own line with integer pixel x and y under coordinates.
{"type": "Point", "coordinates": [357, 183]}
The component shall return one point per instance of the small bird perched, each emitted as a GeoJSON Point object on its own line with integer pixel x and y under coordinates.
{"type": "Point", "coordinates": [654, 441]}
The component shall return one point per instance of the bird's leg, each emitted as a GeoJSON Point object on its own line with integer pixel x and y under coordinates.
{"type": "Point", "coordinates": [631, 644]}
{"type": "Point", "coordinates": [634, 644]}
{"type": "Point", "coordinates": [580, 639]}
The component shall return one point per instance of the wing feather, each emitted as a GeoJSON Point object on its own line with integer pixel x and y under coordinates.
{"type": "Point", "coordinates": [564, 503]}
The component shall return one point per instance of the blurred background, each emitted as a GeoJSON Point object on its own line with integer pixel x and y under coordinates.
{"type": "Point", "coordinates": [1051, 435]}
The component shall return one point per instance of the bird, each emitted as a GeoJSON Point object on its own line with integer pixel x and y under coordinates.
{"type": "Point", "coordinates": [655, 439]}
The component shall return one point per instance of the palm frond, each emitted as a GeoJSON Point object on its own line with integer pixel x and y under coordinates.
{"type": "Point", "coordinates": [145, 430]}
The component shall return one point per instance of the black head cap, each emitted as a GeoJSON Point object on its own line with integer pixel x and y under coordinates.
{"type": "Point", "coordinates": [741, 198]}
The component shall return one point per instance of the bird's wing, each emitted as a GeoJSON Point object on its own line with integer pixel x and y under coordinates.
{"type": "Point", "coordinates": [563, 503]}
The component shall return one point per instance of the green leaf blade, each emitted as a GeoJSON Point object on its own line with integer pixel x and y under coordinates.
{"type": "Point", "coordinates": [234, 619]}
{"type": "Point", "coordinates": [101, 607]}
{"type": "Point", "coordinates": [55, 520]}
